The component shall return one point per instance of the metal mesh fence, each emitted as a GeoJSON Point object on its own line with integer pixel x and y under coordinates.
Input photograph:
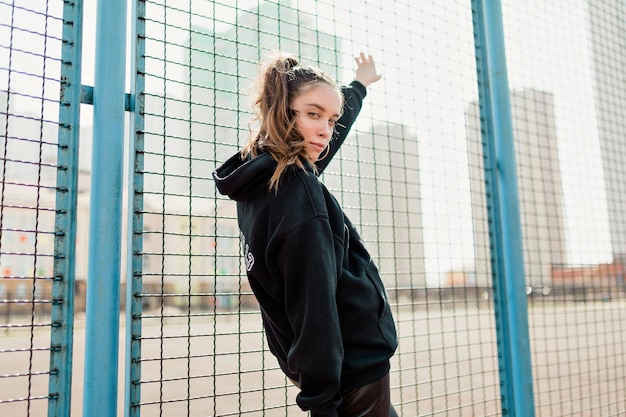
{"type": "Point", "coordinates": [410, 176]}
{"type": "Point", "coordinates": [567, 82]}
{"type": "Point", "coordinates": [402, 177]}
{"type": "Point", "coordinates": [34, 264]}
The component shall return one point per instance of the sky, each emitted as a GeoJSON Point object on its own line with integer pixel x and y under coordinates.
{"type": "Point", "coordinates": [426, 56]}
{"type": "Point", "coordinates": [432, 46]}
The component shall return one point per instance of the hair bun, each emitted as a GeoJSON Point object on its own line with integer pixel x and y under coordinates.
{"type": "Point", "coordinates": [278, 62]}
{"type": "Point", "coordinates": [287, 61]}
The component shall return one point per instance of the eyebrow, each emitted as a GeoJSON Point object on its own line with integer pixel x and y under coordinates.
{"type": "Point", "coordinates": [320, 107]}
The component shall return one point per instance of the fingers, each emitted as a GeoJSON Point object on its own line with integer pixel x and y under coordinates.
{"type": "Point", "coordinates": [362, 59]}
{"type": "Point", "coordinates": [366, 69]}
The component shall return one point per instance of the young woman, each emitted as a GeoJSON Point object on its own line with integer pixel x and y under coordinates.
{"type": "Point", "coordinates": [324, 307]}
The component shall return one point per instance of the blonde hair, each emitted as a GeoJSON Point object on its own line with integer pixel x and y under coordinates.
{"type": "Point", "coordinates": [280, 82]}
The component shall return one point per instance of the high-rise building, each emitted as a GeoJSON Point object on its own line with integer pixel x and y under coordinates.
{"type": "Point", "coordinates": [199, 112]}
{"type": "Point", "coordinates": [205, 119]}
{"type": "Point", "coordinates": [197, 115]}
{"type": "Point", "coordinates": [378, 183]}
{"type": "Point", "coordinates": [607, 28]}
{"type": "Point", "coordinates": [539, 187]}
{"type": "Point", "coordinates": [224, 65]}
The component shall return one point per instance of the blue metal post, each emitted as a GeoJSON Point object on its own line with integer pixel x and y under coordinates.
{"type": "Point", "coordinates": [134, 281]}
{"type": "Point", "coordinates": [62, 314]}
{"type": "Point", "coordinates": [103, 281]}
{"type": "Point", "coordinates": [503, 208]}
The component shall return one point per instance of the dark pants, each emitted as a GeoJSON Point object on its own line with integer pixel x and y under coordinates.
{"type": "Point", "coordinates": [368, 401]}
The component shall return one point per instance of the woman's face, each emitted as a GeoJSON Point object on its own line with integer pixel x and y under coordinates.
{"type": "Point", "coordinates": [317, 110]}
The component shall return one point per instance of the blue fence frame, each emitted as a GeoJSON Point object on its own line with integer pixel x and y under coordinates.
{"type": "Point", "coordinates": [110, 106]}
{"type": "Point", "coordinates": [105, 228]}
{"type": "Point", "coordinates": [62, 314]}
{"type": "Point", "coordinates": [108, 99]}
{"type": "Point", "coordinates": [132, 389]}
{"type": "Point", "coordinates": [505, 234]}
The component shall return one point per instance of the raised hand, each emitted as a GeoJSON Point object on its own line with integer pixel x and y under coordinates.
{"type": "Point", "coordinates": [366, 70]}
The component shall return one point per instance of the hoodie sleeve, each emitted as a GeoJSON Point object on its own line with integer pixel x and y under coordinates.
{"type": "Point", "coordinates": [308, 265]}
{"type": "Point", "coordinates": [353, 100]}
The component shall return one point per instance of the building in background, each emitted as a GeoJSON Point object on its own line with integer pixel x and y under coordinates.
{"type": "Point", "coordinates": [197, 115]}
{"type": "Point", "coordinates": [223, 67]}
{"type": "Point", "coordinates": [539, 187]}
{"type": "Point", "coordinates": [377, 182]}
{"type": "Point", "coordinates": [607, 27]}
{"type": "Point", "coordinates": [29, 172]}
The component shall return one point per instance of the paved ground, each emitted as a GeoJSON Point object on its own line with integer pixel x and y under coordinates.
{"type": "Point", "coordinates": [446, 365]}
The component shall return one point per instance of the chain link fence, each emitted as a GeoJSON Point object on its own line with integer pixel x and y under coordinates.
{"type": "Point", "coordinates": [411, 176]}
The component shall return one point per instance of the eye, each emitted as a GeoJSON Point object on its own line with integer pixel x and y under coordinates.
{"type": "Point", "coordinates": [314, 115]}
{"type": "Point", "coordinates": [332, 123]}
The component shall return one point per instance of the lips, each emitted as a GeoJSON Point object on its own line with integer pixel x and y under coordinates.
{"type": "Point", "coordinates": [318, 146]}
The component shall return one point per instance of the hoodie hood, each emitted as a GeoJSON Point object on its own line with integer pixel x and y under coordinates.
{"type": "Point", "coordinates": [241, 179]}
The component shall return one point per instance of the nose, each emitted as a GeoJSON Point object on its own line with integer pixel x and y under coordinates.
{"type": "Point", "coordinates": [325, 129]}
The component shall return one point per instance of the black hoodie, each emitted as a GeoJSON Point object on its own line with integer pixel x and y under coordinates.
{"type": "Point", "coordinates": [324, 306]}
